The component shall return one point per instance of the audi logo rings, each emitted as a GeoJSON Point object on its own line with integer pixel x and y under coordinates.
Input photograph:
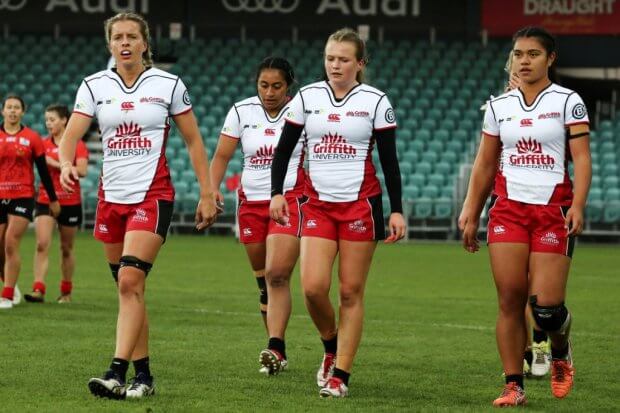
{"type": "Point", "coordinates": [12, 5]}
{"type": "Point", "coordinates": [264, 6]}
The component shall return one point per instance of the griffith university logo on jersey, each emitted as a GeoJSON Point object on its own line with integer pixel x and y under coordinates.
{"type": "Point", "coordinates": [333, 147]}
{"type": "Point", "coordinates": [128, 142]}
{"type": "Point", "coordinates": [263, 158]}
{"type": "Point", "coordinates": [530, 155]}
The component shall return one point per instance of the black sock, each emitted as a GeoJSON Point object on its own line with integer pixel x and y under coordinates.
{"type": "Point", "coordinates": [559, 354]}
{"type": "Point", "coordinates": [342, 375]}
{"type": "Point", "coordinates": [142, 366]}
{"type": "Point", "coordinates": [539, 336]}
{"type": "Point", "coordinates": [331, 345]}
{"type": "Point", "coordinates": [119, 366]}
{"type": "Point", "coordinates": [278, 345]}
{"type": "Point", "coordinates": [515, 378]}
{"type": "Point", "coordinates": [528, 356]}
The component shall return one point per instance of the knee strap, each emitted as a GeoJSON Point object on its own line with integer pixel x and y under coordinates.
{"type": "Point", "coordinates": [131, 261]}
{"type": "Point", "coordinates": [114, 269]}
{"type": "Point", "coordinates": [554, 318]}
{"type": "Point", "coordinates": [262, 287]}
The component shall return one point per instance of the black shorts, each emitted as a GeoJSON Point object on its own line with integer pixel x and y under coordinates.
{"type": "Point", "coordinates": [70, 215]}
{"type": "Point", "coordinates": [21, 207]}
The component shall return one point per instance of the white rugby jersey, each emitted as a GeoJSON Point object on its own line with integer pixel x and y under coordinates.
{"type": "Point", "coordinates": [340, 139]}
{"type": "Point", "coordinates": [259, 133]}
{"type": "Point", "coordinates": [134, 123]}
{"type": "Point", "coordinates": [534, 159]}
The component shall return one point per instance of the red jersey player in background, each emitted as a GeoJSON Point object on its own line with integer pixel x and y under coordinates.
{"type": "Point", "coordinates": [271, 248]}
{"type": "Point", "coordinates": [343, 119]}
{"type": "Point", "coordinates": [134, 103]}
{"type": "Point", "coordinates": [529, 135]}
{"type": "Point", "coordinates": [70, 218]}
{"type": "Point", "coordinates": [20, 148]}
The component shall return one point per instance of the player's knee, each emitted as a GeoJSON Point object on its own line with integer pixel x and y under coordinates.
{"type": "Point", "coordinates": [277, 277]}
{"type": "Point", "coordinates": [350, 295]}
{"type": "Point", "coordinates": [512, 304]}
{"type": "Point", "coordinates": [43, 245]}
{"type": "Point", "coordinates": [550, 318]}
{"type": "Point", "coordinates": [262, 288]}
{"type": "Point", "coordinates": [66, 249]}
{"type": "Point", "coordinates": [315, 292]}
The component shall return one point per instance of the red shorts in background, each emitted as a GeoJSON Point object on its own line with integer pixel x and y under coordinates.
{"type": "Point", "coordinates": [112, 220]}
{"type": "Point", "coordinates": [255, 224]}
{"type": "Point", "coordinates": [360, 220]}
{"type": "Point", "coordinates": [540, 226]}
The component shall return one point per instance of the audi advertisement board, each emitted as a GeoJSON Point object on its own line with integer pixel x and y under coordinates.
{"type": "Point", "coordinates": [86, 16]}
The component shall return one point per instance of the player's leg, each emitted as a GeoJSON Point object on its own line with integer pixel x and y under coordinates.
{"type": "Point", "coordinates": [354, 263]}
{"type": "Point", "coordinates": [15, 229]}
{"type": "Point", "coordinates": [509, 262]}
{"type": "Point", "coordinates": [282, 253]}
{"type": "Point", "coordinates": [317, 257]}
{"type": "Point", "coordinates": [67, 261]}
{"type": "Point", "coordinates": [548, 290]}
{"type": "Point", "coordinates": [256, 252]}
{"type": "Point", "coordinates": [44, 225]}
{"type": "Point", "coordinates": [540, 347]}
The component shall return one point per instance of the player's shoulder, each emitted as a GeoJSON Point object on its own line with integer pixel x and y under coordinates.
{"type": "Point", "coordinates": [371, 90]}
{"type": "Point", "coordinates": [29, 133]}
{"type": "Point", "coordinates": [248, 102]}
{"type": "Point", "coordinates": [98, 75]}
{"type": "Point", "coordinates": [156, 72]}
{"type": "Point", "coordinates": [554, 87]}
{"type": "Point", "coordinates": [321, 85]}
{"type": "Point", "coordinates": [506, 97]}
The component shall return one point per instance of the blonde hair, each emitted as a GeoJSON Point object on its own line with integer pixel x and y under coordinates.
{"type": "Point", "coordinates": [147, 56]}
{"type": "Point", "coordinates": [347, 34]}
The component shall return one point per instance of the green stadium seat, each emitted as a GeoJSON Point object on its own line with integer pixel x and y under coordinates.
{"type": "Point", "coordinates": [444, 168]}
{"type": "Point", "coordinates": [611, 213]}
{"type": "Point", "coordinates": [442, 208]}
{"type": "Point", "coordinates": [595, 194]}
{"type": "Point", "coordinates": [436, 179]}
{"type": "Point", "coordinates": [410, 156]}
{"type": "Point", "coordinates": [424, 167]}
{"type": "Point", "coordinates": [447, 191]}
{"type": "Point", "coordinates": [411, 192]}
{"type": "Point", "coordinates": [422, 208]}
{"type": "Point", "coordinates": [612, 194]}
{"type": "Point", "coordinates": [417, 179]}
{"type": "Point", "coordinates": [430, 191]}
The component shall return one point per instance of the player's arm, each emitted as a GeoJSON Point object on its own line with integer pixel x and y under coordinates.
{"type": "Point", "coordinates": [386, 146]}
{"type": "Point", "coordinates": [186, 122]}
{"type": "Point", "coordinates": [52, 163]}
{"type": "Point", "coordinates": [46, 179]}
{"type": "Point", "coordinates": [76, 128]}
{"type": "Point", "coordinates": [81, 165]}
{"type": "Point", "coordinates": [278, 209]}
{"type": "Point", "coordinates": [579, 145]}
{"type": "Point", "coordinates": [224, 152]}
{"type": "Point", "coordinates": [480, 185]}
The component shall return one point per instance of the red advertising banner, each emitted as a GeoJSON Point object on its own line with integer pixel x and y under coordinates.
{"type": "Point", "coordinates": [501, 17]}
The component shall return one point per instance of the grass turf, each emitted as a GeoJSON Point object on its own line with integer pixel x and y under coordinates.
{"type": "Point", "coordinates": [428, 342]}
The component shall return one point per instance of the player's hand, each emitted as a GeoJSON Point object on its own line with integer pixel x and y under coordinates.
{"type": "Point", "coordinates": [574, 220]}
{"type": "Point", "coordinates": [206, 212]}
{"type": "Point", "coordinates": [219, 202]}
{"type": "Point", "coordinates": [278, 210]}
{"type": "Point", "coordinates": [469, 226]}
{"type": "Point", "coordinates": [55, 208]}
{"type": "Point", "coordinates": [513, 82]}
{"type": "Point", "coordinates": [397, 227]}
{"type": "Point", "coordinates": [68, 177]}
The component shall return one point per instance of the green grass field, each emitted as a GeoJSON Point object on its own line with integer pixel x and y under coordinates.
{"type": "Point", "coordinates": [428, 343]}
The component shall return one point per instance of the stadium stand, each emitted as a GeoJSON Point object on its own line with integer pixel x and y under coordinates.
{"type": "Point", "coordinates": [437, 91]}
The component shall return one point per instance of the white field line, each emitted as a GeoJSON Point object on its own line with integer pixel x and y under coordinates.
{"type": "Point", "coordinates": [471, 327]}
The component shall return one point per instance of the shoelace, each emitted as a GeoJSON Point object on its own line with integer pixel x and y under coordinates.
{"type": "Point", "coordinates": [327, 364]}
{"type": "Point", "coordinates": [509, 389]}
{"type": "Point", "coordinates": [335, 383]}
{"type": "Point", "coordinates": [561, 367]}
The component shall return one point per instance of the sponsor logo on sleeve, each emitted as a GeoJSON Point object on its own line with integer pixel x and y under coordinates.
{"type": "Point", "coordinates": [186, 98]}
{"type": "Point", "coordinates": [579, 111]}
{"type": "Point", "coordinates": [389, 116]}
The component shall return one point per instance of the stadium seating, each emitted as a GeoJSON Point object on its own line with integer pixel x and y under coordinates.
{"type": "Point", "coordinates": [436, 90]}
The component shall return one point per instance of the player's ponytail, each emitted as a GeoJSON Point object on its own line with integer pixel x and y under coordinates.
{"type": "Point", "coordinates": [349, 35]}
{"type": "Point", "coordinates": [547, 41]}
{"type": "Point", "coordinates": [147, 56]}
